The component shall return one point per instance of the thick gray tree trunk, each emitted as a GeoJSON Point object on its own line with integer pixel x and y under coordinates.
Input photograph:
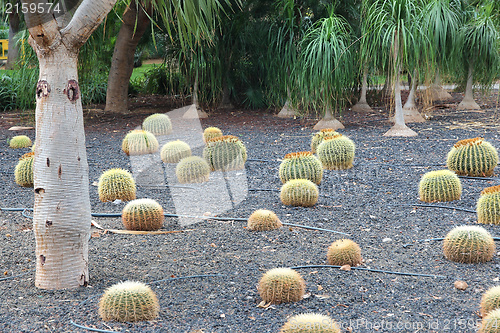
{"type": "Point", "coordinates": [410, 111]}
{"type": "Point", "coordinates": [328, 121]}
{"type": "Point", "coordinates": [436, 91]}
{"type": "Point", "coordinates": [288, 111]}
{"type": "Point", "coordinates": [468, 103]}
{"type": "Point", "coordinates": [13, 55]}
{"type": "Point", "coordinates": [362, 104]}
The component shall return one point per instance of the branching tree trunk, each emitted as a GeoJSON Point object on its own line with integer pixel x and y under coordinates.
{"type": "Point", "coordinates": [13, 55]}
{"type": "Point", "coordinates": [61, 220]}
{"type": "Point", "coordinates": [135, 22]}
{"type": "Point", "coordinates": [468, 103]}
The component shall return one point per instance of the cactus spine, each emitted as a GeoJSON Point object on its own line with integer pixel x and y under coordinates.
{"type": "Point", "coordinates": [174, 151]}
{"type": "Point", "coordinates": [193, 169]}
{"type": "Point", "coordinates": [310, 323]}
{"type": "Point", "coordinates": [441, 185]}
{"type": "Point", "coordinates": [129, 301]}
{"type": "Point", "coordinates": [116, 184]}
{"type": "Point", "coordinates": [472, 157]}
{"type": "Point", "coordinates": [299, 192]}
{"type": "Point", "coordinates": [336, 153]}
{"type": "Point", "coordinates": [263, 220]}
{"type": "Point", "coordinates": [20, 141]}
{"type": "Point", "coordinates": [318, 137]}
{"type": "Point", "coordinates": [488, 206]}
{"type": "Point", "coordinates": [281, 285]}
{"type": "Point", "coordinates": [344, 252]}
{"type": "Point", "coordinates": [23, 173]}
{"type": "Point", "coordinates": [490, 301]}
{"type": "Point", "coordinates": [491, 323]}
{"type": "Point", "coordinates": [139, 142]}
{"type": "Point", "coordinates": [469, 244]}
{"type": "Point", "coordinates": [142, 215]}
{"type": "Point", "coordinates": [225, 153]}
{"type": "Point", "coordinates": [303, 165]}
{"type": "Point", "coordinates": [211, 133]}
{"type": "Point", "coordinates": [158, 124]}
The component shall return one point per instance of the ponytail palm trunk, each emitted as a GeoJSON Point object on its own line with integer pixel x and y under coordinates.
{"type": "Point", "coordinates": [410, 110]}
{"type": "Point", "coordinates": [468, 102]}
{"type": "Point", "coordinates": [362, 104]}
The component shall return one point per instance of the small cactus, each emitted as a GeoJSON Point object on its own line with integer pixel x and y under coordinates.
{"type": "Point", "coordinates": [174, 151]}
{"type": "Point", "coordinates": [488, 206]}
{"type": "Point", "coordinates": [491, 323]}
{"type": "Point", "coordinates": [193, 169]}
{"type": "Point", "coordinates": [441, 185]}
{"type": "Point", "coordinates": [33, 147]}
{"type": "Point", "coordinates": [225, 153]}
{"type": "Point", "coordinates": [281, 285]}
{"type": "Point", "coordinates": [303, 165]}
{"type": "Point", "coordinates": [318, 137]}
{"type": "Point", "coordinates": [23, 173]}
{"type": "Point", "coordinates": [472, 157]}
{"type": "Point", "coordinates": [299, 192]}
{"type": "Point", "coordinates": [336, 153]}
{"type": "Point", "coordinates": [129, 301]}
{"type": "Point", "coordinates": [490, 301]}
{"type": "Point", "coordinates": [20, 141]}
{"type": "Point", "coordinates": [158, 124]}
{"type": "Point", "coordinates": [139, 142]}
{"type": "Point", "coordinates": [142, 215]}
{"type": "Point", "coordinates": [310, 323]}
{"type": "Point", "coordinates": [469, 244]}
{"type": "Point", "coordinates": [116, 184]}
{"type": "Point", "coordinates": [211, 133]}
{"type": "Point", "coordinates": [344, 252]}
{"type": "Point", "coordinates": [263, 220]}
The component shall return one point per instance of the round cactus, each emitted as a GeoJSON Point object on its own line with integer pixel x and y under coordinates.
{"type": "Point", "coordinates": [441, 185]}
{"type": "Point", "coordinates": [318, 137]}
{"type": "Point", "coordinates": [225, 153]}
{"type": "Point", "coordinates": [490, 301]}
{"type": "Point", "coordinates": [344, 252]}
{"type": "Point", "coordinates": [193, 169]}
{"type": "Point", "coordinates": [472, 157]}
{"type": "Point", "coordinates": [158, 124]}
{"type": "Point", "coordinates": [488, 206]}
{"type": "Point", "coordinates": [23, 173]}
{"type": "Point", "coordinates": [281, 285]}
{"type": "Point", "coordinates": [303, 165]}
{"type": "Point", "coordinates": [20, 141]}
{"type": "Point", "coordinates": [116, 184]}
{"type": "Point", "coordinates": [33, 147]}
{"type": "Point", "coordinates": [129, 301]}
{"type": "Point", "coordinates": [310, 323]}
{"type": "Point", "coordinates": [336, 153]}
{"type": "Point", "coordinates": [142, 215]}
{"type": "Point", "coordinates": [174, 151]}
{"type": "Point", "coordinates": [469, 244]}
{"type": "Point", "coordinates": [139, 142]}
{"type": "Point", "coordinates": [299, 192]}
{"type": "Point", "coordinates": [491, 323]}
{"type": "Point", "coordinates": [211, 133]}
{"type": "Point", "coordinates": [263, 220]}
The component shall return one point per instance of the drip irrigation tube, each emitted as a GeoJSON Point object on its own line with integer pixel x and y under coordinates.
{"type": "Point", "coordinates": [90, 328]}
{"type": "Point", "coordinates": [478, 178]}
{"type": "Point", "coordinates": [371, 270]}
{"type": "Point", "coordinates": [435, 239]}
{"type": "Point", "coordinates": [16, 276]}
{"type": "Point", "coordinates": [439, 206]}
{"type": "Point", "coordinates": [275, 190]}
{"type": "Point", "coordinates": [188, 277]}
{"type": "Point", "coordinates": [261, 160]}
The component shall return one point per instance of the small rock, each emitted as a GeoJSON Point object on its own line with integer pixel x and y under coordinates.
{"type": "Point", "coordinates": [387, 240]}
{"type": "Point", "coordinates": [461, 285]}
{"type": "Point", "coordinates": [117, 202]}
{"type": "Point", "coordinates": [345, 268]}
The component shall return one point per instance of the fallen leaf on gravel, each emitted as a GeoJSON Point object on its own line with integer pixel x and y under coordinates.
{"type": "Point", "coordinates": [496, 279]}
{"type": "Point", "coordinates": [322, 297]}
{"type": "Point", "coordinates": [436, 297]}
{"type": "Point", "coordinates": [345, 268]}
{"type": "Point", "coordinates": [320, 287]}
{"type": "Point", "coordinates": [5, 273]}
{"type": "Point", "coordinates": [8, 235]}
{"type": "Point", "coordinates": [460, 285]}
{"type": "Point", "coordinates": [425, 314]}
{"type": "Point", "coordinates": [306, 296]}
{"type": "Point", "coordinates": [95, 184]}
{"type": "Point", "coordinates": [313, 272]}
{"type": "Point", "coordinates": [264, 305]}
{"type": "Point", "coordinates": [213, 245]}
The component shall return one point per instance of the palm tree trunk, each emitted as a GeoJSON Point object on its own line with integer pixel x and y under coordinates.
{"type": "Point", "coordinates": [135, 22]}
{"type": "Point", "coordinates": [410, 111]}
{"type": "Point", "coordinates": [13, 55]}
{"type": "Point", "coordinates": [195, 111]}
{"type": "Point", "coordinates": [468, 103]}
{"type": "Point", "coordinates": [328, 120]}
{"type": "Point", "coordinates": [287, 111]}
{"type": "Point", "coordinates": [436, 91]}
{"type": "Point", "coordinates": [362, 104]}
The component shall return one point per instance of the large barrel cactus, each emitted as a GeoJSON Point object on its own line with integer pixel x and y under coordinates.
{"type": "Point", "coordinates": [302, 165]}
{"type": "Point", "coordinates": [336, 153]}
{"type": "Point", "coordinates": [174, 151]}
{"type": "Point", "coordinates": [23, 173]}
{"type": "Point", "coordinates": [490, 301]}
{"type": "Point", "coordinates": [491, 322]}
{"type": "Point", "coordinates": [310, 323]}
{"type": "Point", "coordinates": [225, 153]}
{"type": "Point", "coordinates": [318, 137]}
{"type": "Point", "coordinates": [193, 169]}
{"type": "Point", "coordinates": [344, 252]}
{"type": "Point", "coordinates": [281, 285]}
{"type": "Point", "coordinates": [299, 192]}
{"type": "Point", "coordinates": [211, 133]}
{"type": "Point", "coordinates": [158, 124]}
{"type": "Point", "coordinates": [142, 215]}
{"type": "Point", "coordinates": [116, 184]}
{"type": "Point", "coordinates": [20, 141]}
{"type": "Point", "coordinates": [139, 142]}
{"type": "Point", "coordinates": [263, 220]}
{"type": "Point", "coordinates": [440, 185]}
{"type": "Point", "coordinates": [472, 157]}
{"type": "Point", "coordinates": [488, 206]}
{"type": "Point", "coordinates": [469, 244]}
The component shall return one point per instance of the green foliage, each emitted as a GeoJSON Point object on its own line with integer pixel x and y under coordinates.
{"type": "Point", "coordinates": [193, 169]}
{"type": "Point", "coordinates": [94, 85]}
{"type": "Point", "coordinates": [159, 80]}
{"type": "Point", "coordinates": [488, 206]}
{"type": "Point", "coordinates": [441, 185]}
{"type": "Point", "coordinates": [472, 157]}
{"type": "Point", "coordinates": [129, 302]}
{"type": "Point", "coordinates": [469, 244]}
{"type": "Point", "coordinates": [281, 285]}
{"type": "Point", "coordinates": [116, 184]}
{"type": "Point", "coordinates": [142, 215]}
{"type": "Point", "coordinates": [491, 323]}
{"type": "Point", "coordinates": [158, 124]}
{"type": "Point", "coordinates": [20, 141]}
{"type": "Point", "coordinates": [211, 133]}
{"type": "Point", "coordinates": [23, 172]}
{"type": "Point", "coordinates": [302, 165]}
{"type": "Point", "coordinates": [318, 137]}
{"type": "Point", "coordinates": [336, 153]}
{"type": "Point", "coordinates": [225, 153]}
{"type": "Point", "coordinates": [299, 192]}
{"type": "Point", "coordinates": [174, 151]}
{"type": "Point", "coordinates": [7, 93]}
{"type": "Point", "coordinates": [310, 323]}
{"type": "Point", "coordinates": [263, 220]}
{"type": "Point", "coordinates": [344, 252]}
{"type": "Point", "coordinates": [139, 142]}
{"type": "Point", "coordinates": [490, 301]}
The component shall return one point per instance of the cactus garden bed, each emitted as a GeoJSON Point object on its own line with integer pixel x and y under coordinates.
{"type": "Point", "coordinates": [371, 202]}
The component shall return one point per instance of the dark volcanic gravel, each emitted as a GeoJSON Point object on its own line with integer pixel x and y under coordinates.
{"type": "Point", "coordinates": [369, 202]}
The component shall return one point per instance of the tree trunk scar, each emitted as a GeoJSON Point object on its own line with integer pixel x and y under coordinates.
{"type": "Point", "coordinates": [72, 91]}
{"type": "Point", "coordinates": [42, 89]}
{"type": "Point", "coordinates": [42, 259]}
{"type": "Point", "coordinates": [59, 171]}
{"type": "Point", "coordinates": [39, 190]}
{"type": "Point", "coordinates": [48, 162]}
{"type": "Point", "coordinates": [48, 223]}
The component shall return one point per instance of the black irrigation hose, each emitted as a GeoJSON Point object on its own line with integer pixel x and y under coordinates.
{"type": "Point", "coordinates": [187, 277]}
{"type": "Point", "coordinates": [90, 328]}
{"type": "Point", "coordinates": [439, 206]}
{"type": "Point", "coordinates": [275, 190]}
{"type": "Point", "coordinates": [260, 160]}
{"type": "Point", "coordinates": [313, 228]}
{"type": "Point", "coordinates": [410, 165]}
{"type": "Point", "coordinates": [16, 276]}
{"type": "Point", "coordinates": [371, 270]}
{"type": "Point", "coordinates": [435, 239]}
{"type": "Point", "coordinates": [478, 178]}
